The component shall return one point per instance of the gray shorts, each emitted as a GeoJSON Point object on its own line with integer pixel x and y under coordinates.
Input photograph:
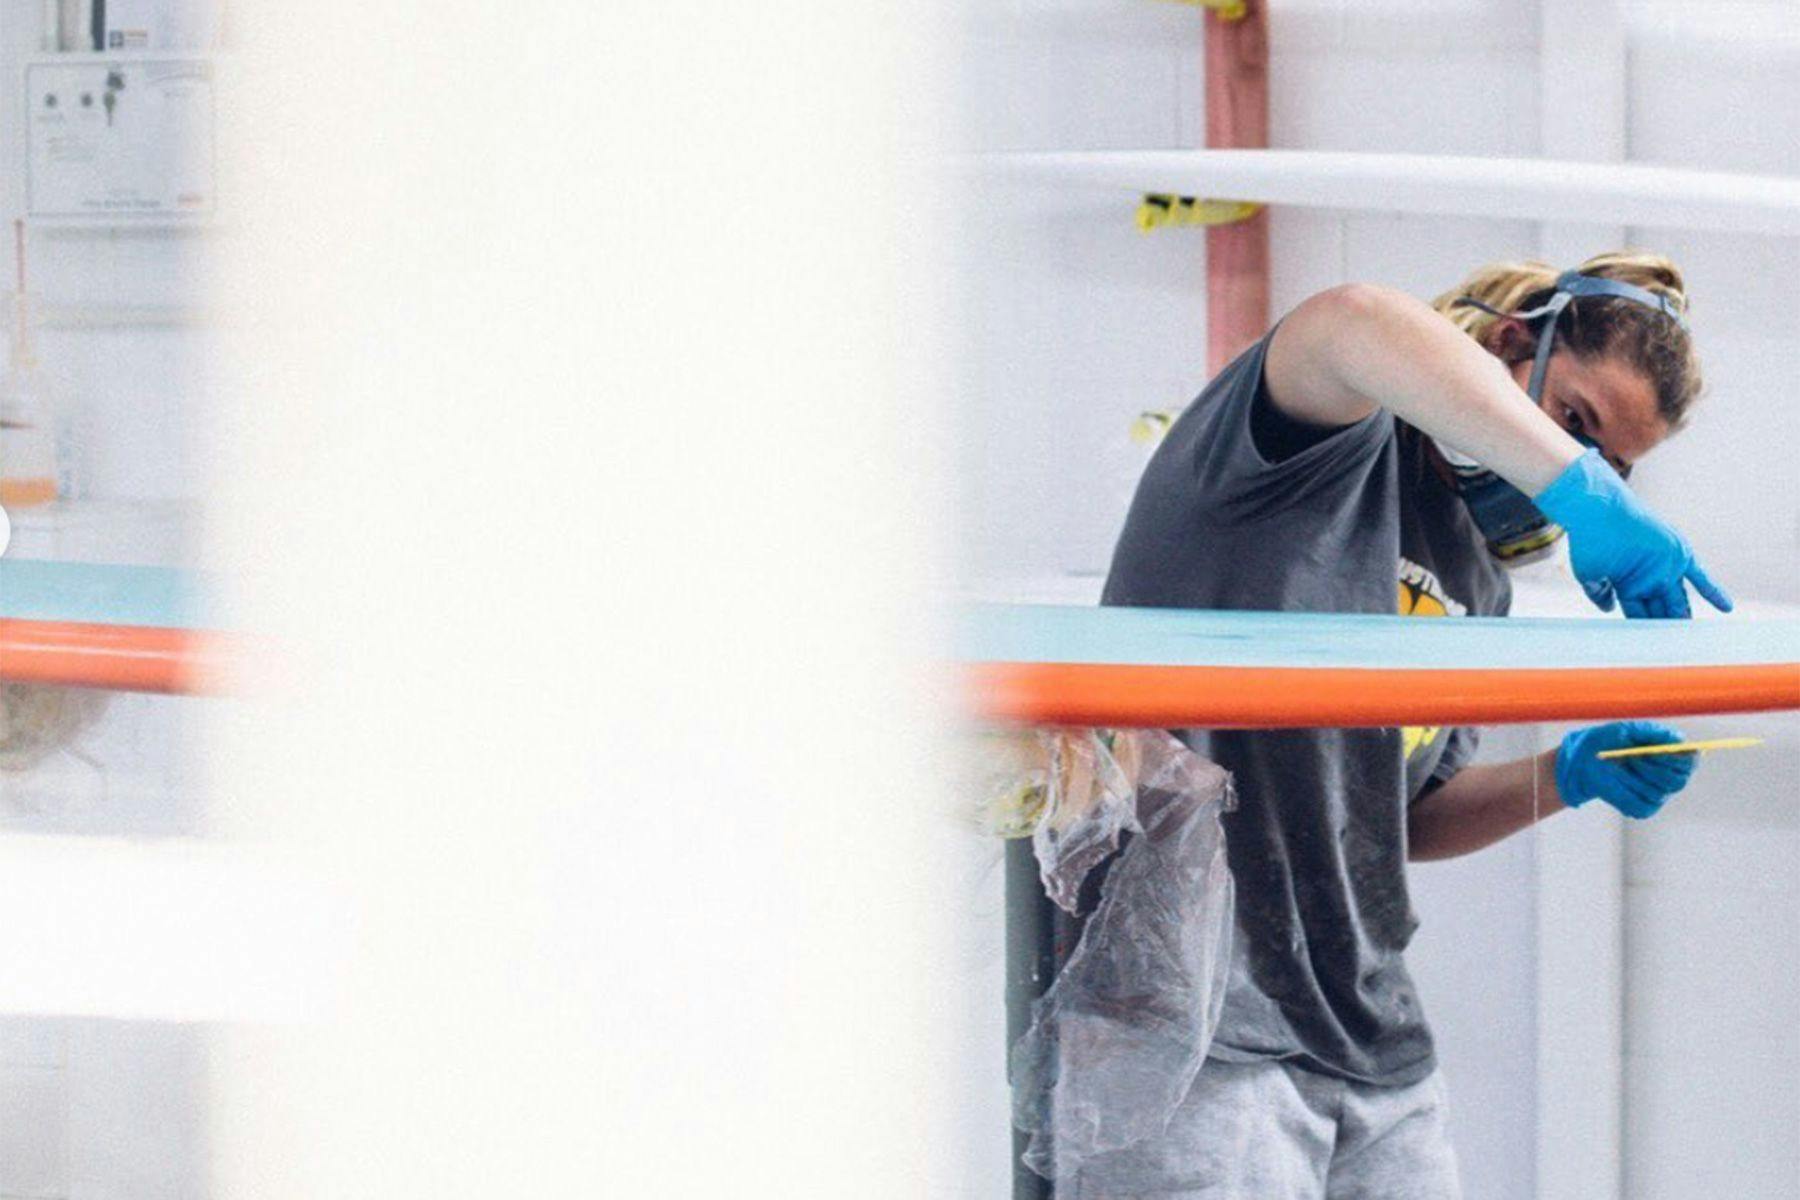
{"type": "Point", "coordinates": [1272, 1131]}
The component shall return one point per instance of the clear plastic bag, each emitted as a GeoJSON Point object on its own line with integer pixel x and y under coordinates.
{"type": "Point", "coordinates": [1072, 791]}
{"type": "Point", "coordinates": [1116, 1042]}
{"type": "Point", "coordinates": [37, 720]}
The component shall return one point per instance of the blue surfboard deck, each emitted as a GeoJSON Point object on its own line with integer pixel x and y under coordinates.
{"type": "Point", "coordinates": [101, 594]}
{"type": "Point", "coordinates": [1027, 633]}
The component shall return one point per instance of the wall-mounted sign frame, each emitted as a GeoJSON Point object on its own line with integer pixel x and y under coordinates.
{"type": "Point", "coordinates": [114, 138]}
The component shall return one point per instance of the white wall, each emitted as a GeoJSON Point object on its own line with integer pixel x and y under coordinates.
{"type": "Point", "coordinates": [1074, 322]}
{"type": "Point", "coordinates": [75, 1094]}
{"type": "Point", "coordinates": [117, 328]}
{"type": "Point", "coordinates": [1724, 93]}
{"type": "Point", "coordinates": [1712, 995]}
{"type": "Point", "coordinates": [1712, 1012]}
{"type": "Point", "coordinates": [1478, 984]}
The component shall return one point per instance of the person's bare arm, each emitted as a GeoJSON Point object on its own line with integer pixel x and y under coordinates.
{"type": "Point", "coordinates": [1346, 351]}
{"type": "Point", "coordinates": [1480, 806]}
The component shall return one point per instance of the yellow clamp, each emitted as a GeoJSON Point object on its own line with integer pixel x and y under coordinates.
{"type": "Point", "coordinates": [1226, 10]}
{"type": "Point", "coordinates": [1157, 210]}
{"type": "Point", "coordinates": [1149, 427]}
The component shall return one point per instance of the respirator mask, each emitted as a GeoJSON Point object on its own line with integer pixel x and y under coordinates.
{"type": "Point", "coordinates": [1515, 531]}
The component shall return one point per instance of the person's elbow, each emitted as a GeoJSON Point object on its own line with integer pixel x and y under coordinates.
{"type": "Point", "coordinates": [1418, 845]}
{"type": "Point", "coordinates": [1426, 829]}
{"type": "Point", "coordinates": [1420, 851]}
{"type": "Point", "coordinates": [1356, 303]}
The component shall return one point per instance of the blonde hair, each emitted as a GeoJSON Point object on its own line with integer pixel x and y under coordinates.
{"type": "Point", "coordinates": [1595, 326]}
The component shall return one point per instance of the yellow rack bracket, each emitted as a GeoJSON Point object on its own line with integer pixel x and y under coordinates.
{"type": "Point", "coordinates": [1225, 10]}
{"type": "Point", "coordinates": [1157, 211]}
{"type": "Point", "coordinates": [1149, 427]}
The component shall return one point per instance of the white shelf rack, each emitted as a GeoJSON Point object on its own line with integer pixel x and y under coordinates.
{"type": "Point", "coordinates": [164, 929]}
{"type": "Point", "coordinates": [1506, 188]}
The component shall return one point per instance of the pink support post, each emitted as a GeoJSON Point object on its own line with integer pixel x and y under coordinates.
{"type": "Point", "coordinates": [1237, 117]}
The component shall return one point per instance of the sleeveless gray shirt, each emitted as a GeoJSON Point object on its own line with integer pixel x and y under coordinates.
{"type": "Point", "coordinates": [1359, 521]}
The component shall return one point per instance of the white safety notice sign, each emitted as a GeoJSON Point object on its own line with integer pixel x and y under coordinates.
{"type": "Point", "coordinates": [120, 138]}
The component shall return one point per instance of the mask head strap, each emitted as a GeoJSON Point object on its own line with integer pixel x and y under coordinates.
{"type": "Point", "coordinates": [1569, 286]}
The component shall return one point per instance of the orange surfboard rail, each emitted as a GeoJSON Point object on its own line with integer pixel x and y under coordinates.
{"type": "Point", "coordinates": [126, 658]}
{"type": "Point", "coordinates": [1169, 668]}
{"type": "Point", "coordinates": [1128, 696]}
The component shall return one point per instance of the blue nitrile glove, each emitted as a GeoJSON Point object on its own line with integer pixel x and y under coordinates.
{"type": "Point", "coordinates": [1616, 545]}
{"type": "Point", "coordinates": [1637, 786]}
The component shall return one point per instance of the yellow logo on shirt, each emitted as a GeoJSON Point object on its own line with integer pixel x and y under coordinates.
{"type": "Point", "coordinates": [1421, 595]}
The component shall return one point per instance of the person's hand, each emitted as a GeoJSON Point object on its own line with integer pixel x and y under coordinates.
{"type": "Point", "coordinates": [1637, 786]}
{"type": "Point", "coordinates": [1617, 546]}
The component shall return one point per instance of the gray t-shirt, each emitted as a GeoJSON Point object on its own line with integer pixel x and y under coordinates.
{"type": "Point", "coordinates": [1355, 521]}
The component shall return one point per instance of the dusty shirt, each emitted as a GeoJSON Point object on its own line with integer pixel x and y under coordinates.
{"type": "Point", "coordinates": [1318, 842]}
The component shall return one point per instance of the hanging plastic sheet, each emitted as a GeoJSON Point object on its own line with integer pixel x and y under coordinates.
{"type": "Point", "coordinates": [1116, 1042]}
{"type": "Point", "coordinates": [37, 720]}
{"type": "Point", "coordinates": [1072, 791]}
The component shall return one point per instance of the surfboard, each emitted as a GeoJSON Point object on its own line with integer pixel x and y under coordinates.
{"type": "Point", "coordinates": [126, 628]}
{"type": "Point", "coordinates": [1634, 194]}
{"type": "Point", "coordinates": [1174, 668]}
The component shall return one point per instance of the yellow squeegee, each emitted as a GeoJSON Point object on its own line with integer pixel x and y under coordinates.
{"type": "Point", "coordinates": [1736, 743]}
